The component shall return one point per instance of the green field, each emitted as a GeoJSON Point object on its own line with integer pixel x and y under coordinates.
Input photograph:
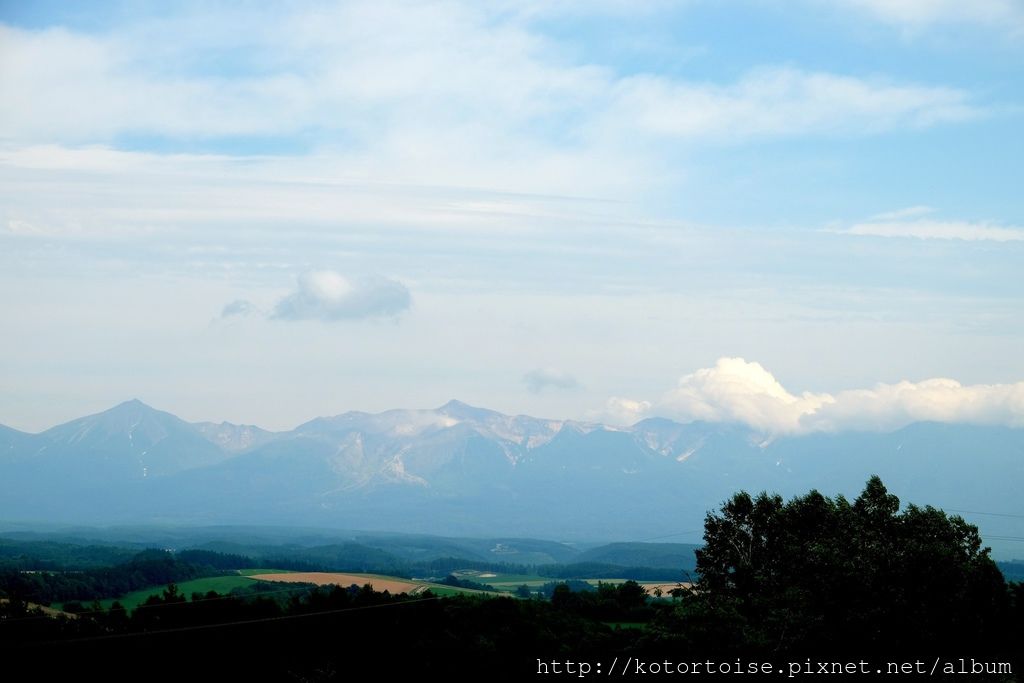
{"type": "Point", "coordinates": [448, 591]}
{"type": "Point", "coordinates": [503, 583]}
{"type": "Point", "coordinates": [219, 584]}
{"type": "Point", "coordinates": [508, 583]}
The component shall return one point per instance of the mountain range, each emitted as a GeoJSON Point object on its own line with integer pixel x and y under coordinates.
{"type": "Point", "coordinates": [460, 469]}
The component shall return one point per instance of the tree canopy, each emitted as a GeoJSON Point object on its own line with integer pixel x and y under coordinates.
{"type": "Point", "coordinates": [820, 574]}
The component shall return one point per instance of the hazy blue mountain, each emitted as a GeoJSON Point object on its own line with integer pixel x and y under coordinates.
{"type": "Point", "coordinates": [12, 443]}
{"type": "Point", "coordinates": [462, 470]}
{"type": "Point", "coordinates": [89, 468]}
{"type": "Point", "coordinates": [130, 439]}
{"type": "Point", "coordinates": [233, 438]}
{"type": "Point", "coordinates": [665, 555]}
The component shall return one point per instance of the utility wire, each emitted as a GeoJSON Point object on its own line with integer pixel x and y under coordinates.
{"type": "Point", "coordinates": [227, 624]}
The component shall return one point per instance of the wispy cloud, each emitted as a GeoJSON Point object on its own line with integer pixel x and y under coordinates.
{"type": "Point", "coordinates": [938, 230]}
{"type": "Point", "coordinates": [238, 307]}
{"type": "Point", "coordinates": [327, 295]}
{"type": "Point", "coordinates": [549, 378]}
{"type": "Point", "coordinates": [1005, 15]}
{"type": "Point", "coordinates": [428, 77]}
{"type": "Point", "coordinates": [900, 214]}
{"type": "Point", "coordinates": [735, 390]}
{"type": "Point", "coordinates": [785, 101]}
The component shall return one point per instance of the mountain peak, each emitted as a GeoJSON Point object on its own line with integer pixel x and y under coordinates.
{"type": "Point", "coordinates": [132, 404]}
{"type": "Point", "coordinates": [454, 404]}
{"type": "Point", "coordinates": [464, 411]}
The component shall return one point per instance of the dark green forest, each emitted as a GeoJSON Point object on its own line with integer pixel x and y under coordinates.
{"type": "Point", "coordinates": [813, 578]}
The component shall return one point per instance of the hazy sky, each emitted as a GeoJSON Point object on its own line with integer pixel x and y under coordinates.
{"type": "Point", "coordinates": [267, 212]}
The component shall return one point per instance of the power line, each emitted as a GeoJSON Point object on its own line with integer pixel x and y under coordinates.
{"type": "Point", "coordinates": [245, 596]}
{"type": "Point", "coordinates": [990, 514]}
{"type": "Point", "coordinates": [226, 624]}
{"type": "Point", "coordinates": [679, 533]}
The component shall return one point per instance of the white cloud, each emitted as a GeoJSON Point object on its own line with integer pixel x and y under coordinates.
{"type": "Point", "coordinates": [735, 390]}
{"type": "Point", "coordinates": [889, 406]}
{"type": "Point", "coordinates": [327, 295]}
{"type": "Point", "coordinates": [623, 411]}
{"type": "Point", "coordinates": [939, 230]}
{"type": "Point", "coordinates": [410, 101]}
{"type": "Point", "coordinates": [900, 214]}
{"type": "Point", "coordinates": [549, 378]}
{"type": "Point", "coordinates": [783, 101]}
{"type": "Point", "coordinates": [916, 14]}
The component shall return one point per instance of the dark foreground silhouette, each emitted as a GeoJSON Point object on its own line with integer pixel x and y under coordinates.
{"type": "Point", "coordinates": [814, 580]}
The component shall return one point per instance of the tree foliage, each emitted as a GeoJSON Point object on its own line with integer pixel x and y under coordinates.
{"type": "Point", "coordinates": [823, 574]}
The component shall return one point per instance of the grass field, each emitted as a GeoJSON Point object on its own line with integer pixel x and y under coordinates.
{"type": "Point", "coordinates": [503, 583]}
{"type": "Point", "coordinates": [380, 582]}
{"type": "Point", "coordinates": [447, 591]}
{"type": "Point", "coordinates": [219, 584]}
{"type": "Point", "coordinates": [510, 582]}
{"type": "Point", "coordinates": [222, 585]}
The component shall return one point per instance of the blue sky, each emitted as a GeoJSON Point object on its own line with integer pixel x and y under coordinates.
{"type": "Point", "coordinates": [266, 212]}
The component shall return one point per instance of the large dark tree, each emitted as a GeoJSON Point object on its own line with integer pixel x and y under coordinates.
{"type": "Point", "coordinates": [818, 574]}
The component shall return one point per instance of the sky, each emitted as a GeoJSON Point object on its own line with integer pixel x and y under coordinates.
{"type": "Point", "coordinates": [798, 214]}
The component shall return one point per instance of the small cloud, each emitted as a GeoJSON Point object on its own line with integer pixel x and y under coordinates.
{"type": "Point", "coordinates": [899, 214]}
{"type": "Point", "coordinates": [237, 307]}
{"type": "Point", "coordinates": [939, 230]}
{"type": "Point", "coordinates": [907, 223]}
{"type": "Point", "coordinates": [328, 295]}
{"type": "Point", "coordinates": [624, 411]}
{"type": "Point", "coordinates": [549, 378]}
{"type": "Point", "coordinates": [913, 15]}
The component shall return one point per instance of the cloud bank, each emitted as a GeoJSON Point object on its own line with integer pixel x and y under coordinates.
{"type": "Point", "coordinates": [327, 295]}
{"type": "Point", "coordinates": [735, 390]}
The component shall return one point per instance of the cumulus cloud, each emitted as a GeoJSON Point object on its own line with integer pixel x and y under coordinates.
{"type": "Point", "coordinates": [239, 307]}
{"type": "Point", "coordinates": [549, 378]}
{"type": "Point", "coordinates": [735, 390]}
{"type": "Point", "coordinates": [327, 295]}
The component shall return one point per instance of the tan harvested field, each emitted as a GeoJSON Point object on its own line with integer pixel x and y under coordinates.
{"type": "Point", "coordinates": [665, 587]}
{"type": "Point", "coordinates": [379, 583]}
{"type": "Point", "coordinates": [49, 611]}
